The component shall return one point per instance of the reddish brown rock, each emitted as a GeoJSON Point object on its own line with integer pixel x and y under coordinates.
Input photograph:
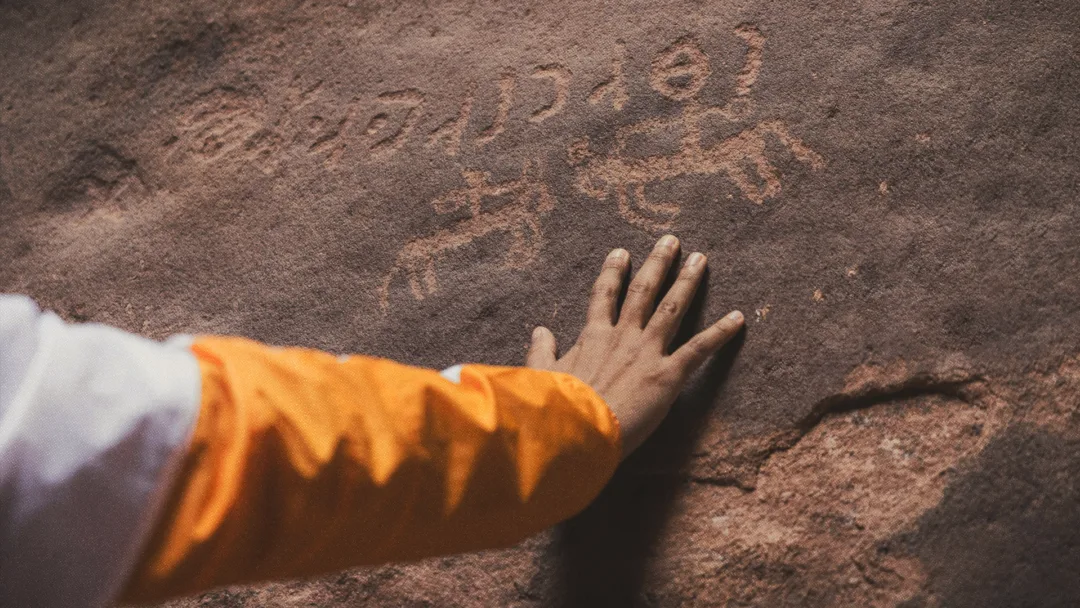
{"type": "Point", "coordinates": [887, 189]}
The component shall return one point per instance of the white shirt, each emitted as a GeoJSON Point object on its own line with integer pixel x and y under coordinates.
{"type": "Point", "coordinates": [93, 424]}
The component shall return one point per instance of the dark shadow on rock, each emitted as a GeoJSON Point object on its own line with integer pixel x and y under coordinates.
{"type": "Point", "coordinates": [603, 553]}
{"type": "Point", "coordinates": [1006, 533]}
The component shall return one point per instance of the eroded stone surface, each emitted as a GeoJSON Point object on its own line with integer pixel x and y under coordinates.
{"type": "Point", "coordinates": [887, 189]}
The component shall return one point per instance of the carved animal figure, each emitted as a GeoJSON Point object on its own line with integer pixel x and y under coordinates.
{"type": "Point", "coordinates": [627, 177]}
{"type": "Point", "coordinates": [679, 73]}
{"type": "Point", "coordinates": [519, 219]}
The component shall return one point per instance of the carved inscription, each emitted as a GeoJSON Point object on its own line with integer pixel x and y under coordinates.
{"type": "Point", "coordinates": [612, 90]}
{"type": "Point", "coordinates": [225, 121]}
{"type": "Point", "coordinates": [680, 73]}
{"type": "Point", "coordinates": [406, 104]}
{"type": "Point", "coordinates": [560, 77]}
{"type": "Point", "coordinates": [519, 220]}
{"type": "Point", "coordinates": [375, 127]}
{"type": "Point", "coordinates": [449, 133]}
{"type": "Point", "coordinates": [506, 100]}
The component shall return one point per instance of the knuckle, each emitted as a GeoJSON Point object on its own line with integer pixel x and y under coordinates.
{"type": "Point", "coordinates": [591, 333]}
{"type": "Point", "coordinates": [605, 290]}
{"type": "Point", "coordinates": [686, 279]}
{"type": "Point", "coordinates": [659, 255]}
{"type": "Point", "coordinates": [668, 308]}
{"type": "Point", "coordinates": [661, 375]}
{"type": "Point", "coordinates": [696, 347]}
{"type": "Point", "coordinates": [676, 374]}
{"type": "Point", "coordinates": [641, 287]}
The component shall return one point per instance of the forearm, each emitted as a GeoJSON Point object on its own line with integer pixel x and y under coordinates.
{"type": "Point", "coordinates": [302, 463]}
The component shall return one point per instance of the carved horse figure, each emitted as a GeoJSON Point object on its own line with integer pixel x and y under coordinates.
{"type": "Point", "coordinates": [519, 219]}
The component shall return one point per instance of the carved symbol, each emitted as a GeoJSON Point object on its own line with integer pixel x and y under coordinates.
{"type": "Point", "coordinates": [520, 219]}
{"type": "Point", "coordinates": [561, 79]}
{"type": "Point", "coordinates": [450, 132]}
{"type": "Point", "coordinates": [755, 45]}
{"type": "Point", "coordinates": [221, 121]}
{"type": "Point", "coordinates": [506, 99]}
{"type": "Point", "coordinates": [331, 139]}
{"type": "Point", "coordinates": [682, 60]}
{"type": "Point", "coordinates": [679, 73]}
{"type": "Point", "coordinates": [614, 87]}
{"type": "Point", "coordinates": [411, 100]}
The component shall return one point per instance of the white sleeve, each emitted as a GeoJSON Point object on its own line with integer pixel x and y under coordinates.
{"type": "Point", "coordinates": [93, 424]}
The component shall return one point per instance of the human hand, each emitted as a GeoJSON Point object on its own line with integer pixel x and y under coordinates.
{"type": "Point", "coordinates": [622, 354]}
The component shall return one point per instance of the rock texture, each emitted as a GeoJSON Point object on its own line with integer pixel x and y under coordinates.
{"type": "Point", "coordinates": [887, 188]}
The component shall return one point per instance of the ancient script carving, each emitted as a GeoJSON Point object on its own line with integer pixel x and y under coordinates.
{"type": "Point", "coordinates": [613, 88]}
{"type": "Point", "coordinates": [560, 77]}
{"type": "Point", "coordinates": [530, 199]}
{"type": "Point", "coordinates": [451, 132]}
{"type": "Point", "coordinates": [517, 206]}
{"type": "Point", "coordinates": [410, 100]}
{"type": "Point", "coordinates": [506, 99]}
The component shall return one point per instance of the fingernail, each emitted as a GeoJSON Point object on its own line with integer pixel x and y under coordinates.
{"type": "Point", "coordinates": [668, 241]}
{"type": "Point", "coordinates": [694, 259]}
{"type": "Point", "coordinates": [735, 316]}
{"type": "Point", "coordinates": [618, 254]}
{"type": "Point", "coordinates": [537, 332]}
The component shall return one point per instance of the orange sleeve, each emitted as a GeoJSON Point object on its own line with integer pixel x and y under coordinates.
{"type": "Point", "coordinates": [304, 463]}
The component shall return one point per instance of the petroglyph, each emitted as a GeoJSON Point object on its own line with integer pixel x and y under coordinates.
{"type": "Point", "coordinates": [560, 77]}
{"type": "Point", "coordinates": [627, 177]}
{"type": "Point", "coordinates": [406, 101]}
{"type": "Point", "coordinates": [755, 52]}
{"type": "Point", "coordinates": [450, 133]}
{"type": "Point", "coordinates": [330, 142]}
{"type": "Point", "coordinates": [679, 73]}
{"type": "Point", "coordinates": [506, 100]}
{"type": "Point", "coordinates": [519, 219]}
{"type": "Point", "coordinates": [614, 87]}
{"type": "Point", "coordinates": [225, 120]}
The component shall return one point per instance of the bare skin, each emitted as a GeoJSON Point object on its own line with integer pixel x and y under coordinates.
{"type": "Point", "coordinates": [623, 354]}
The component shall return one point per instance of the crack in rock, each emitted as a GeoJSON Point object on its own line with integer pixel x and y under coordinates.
{"type": "Point", "coordinates": [867, 387]}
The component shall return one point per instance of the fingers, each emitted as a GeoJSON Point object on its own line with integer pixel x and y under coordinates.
{"type": "Point", "coordinates": [665, 321]}
{"type": "Point", "coordinates": [605, 292]}
{"type": "Point", "coordinates": [646, 284]}
{"type": "Point", "coordinates": [542, 350]}
{"type": "Point", "coordinates": [691, 355]}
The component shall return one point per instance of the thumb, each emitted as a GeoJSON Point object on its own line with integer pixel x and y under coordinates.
{"type": "Point", "coordinates": [542, 350]}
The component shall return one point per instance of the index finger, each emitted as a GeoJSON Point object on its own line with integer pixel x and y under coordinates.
{"type": "Point", "coordinates": [691, 355]}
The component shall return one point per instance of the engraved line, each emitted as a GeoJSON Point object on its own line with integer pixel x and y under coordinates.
{"type": "Point", "coordinates": [560, 77]}
{"type": "Point", "coordinates": [683, 58]}
{"type": "Point", "coordinates": [615, 87]}
{"type": "Point", "coordinates": [450, 133]}
{"type": "Point", "coordinates": [506, 100]}
{"type": "Point", "coordinates": [411, 100]}
{"type": "Point", "coordinates": [755, 43]}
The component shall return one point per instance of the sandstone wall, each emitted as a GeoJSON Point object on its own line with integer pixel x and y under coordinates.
{"type": "Point", "coordinates": [887, 188]}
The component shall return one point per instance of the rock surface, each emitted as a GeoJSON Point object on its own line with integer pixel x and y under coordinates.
{"type": "Point", "coordinates": [887, 188]}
